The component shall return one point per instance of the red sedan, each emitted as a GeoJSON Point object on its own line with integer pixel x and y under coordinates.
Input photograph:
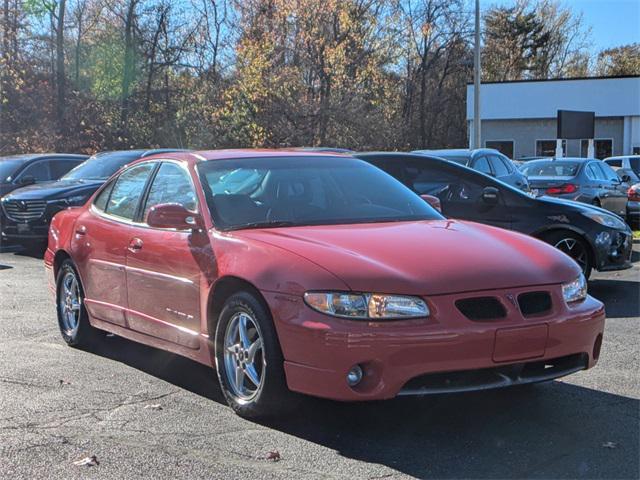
{"type": "Point", "coordinates": [314, 273]}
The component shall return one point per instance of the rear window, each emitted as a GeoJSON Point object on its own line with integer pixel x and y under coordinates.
{"type": "Point", "coordinates": [550, 169]}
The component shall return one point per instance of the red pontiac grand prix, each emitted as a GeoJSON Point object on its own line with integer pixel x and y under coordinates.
{"type": "Point", "coordinates": [314, 273]}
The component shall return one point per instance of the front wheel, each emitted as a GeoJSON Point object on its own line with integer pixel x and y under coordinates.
{"type": "Point", "coordinates": [73, 319]}
{"type": "Point", "coordinates": [574, 246]}
{"type": "Point", "coordinates": [249, 361]}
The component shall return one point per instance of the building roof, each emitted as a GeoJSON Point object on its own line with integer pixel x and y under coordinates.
{"type": "Point", "coordinates": [537, 99]}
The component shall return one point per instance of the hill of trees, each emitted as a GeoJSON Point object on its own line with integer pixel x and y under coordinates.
{"type": "Point", "coordinates": [87, 75]}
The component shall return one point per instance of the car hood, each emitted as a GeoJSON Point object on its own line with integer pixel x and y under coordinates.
{"type": "Point", "coordinates": [56, 189]}
{"type": "Point", "coordinates": [423, 258]}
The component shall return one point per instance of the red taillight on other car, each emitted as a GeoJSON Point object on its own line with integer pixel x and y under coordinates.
{"type": "Point", "coordinates": [633, 195]}
{"type": "Point", "coordinates": [566, 188]}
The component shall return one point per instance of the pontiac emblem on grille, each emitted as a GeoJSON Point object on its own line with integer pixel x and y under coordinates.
{"type": "Point", "coordinates": [512, 299]}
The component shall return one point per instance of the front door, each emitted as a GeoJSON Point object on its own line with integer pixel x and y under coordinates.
{"type": "Point", "coordinates": [165, 266]}
{"type": "Point", "coordinates": [100, 244]}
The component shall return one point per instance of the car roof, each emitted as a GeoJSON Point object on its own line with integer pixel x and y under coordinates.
{"type": "Point", "coordinates": [566, 159]}
{"type": "Point", "coordinates": [459, 152]}
{"type": "Point", "coordinates": [27, 157]}
{"type": "Point", "coordinates": [622, 157]}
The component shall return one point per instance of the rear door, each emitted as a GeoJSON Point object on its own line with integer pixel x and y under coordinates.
{"type": "Point", "coordinates": [164, 266]}
{"type": "Point", "coordinates": [100, 243]}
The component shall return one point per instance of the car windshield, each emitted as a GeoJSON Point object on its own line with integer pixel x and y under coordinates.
{"type": "Point", "coordinates": [8, 168]}
{"type": "Point", "coordinates": [550, 168]}
{"type": "Point", "coordinates": [100, 167]}
{"type": "Point", "coordinates": [293, 191]}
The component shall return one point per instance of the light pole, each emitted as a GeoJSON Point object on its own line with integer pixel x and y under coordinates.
{"type": "Point", "coordinates": [476, 82]}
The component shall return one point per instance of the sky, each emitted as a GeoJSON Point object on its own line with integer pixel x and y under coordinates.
{"type": "Point", "coordinates": [612, 22]}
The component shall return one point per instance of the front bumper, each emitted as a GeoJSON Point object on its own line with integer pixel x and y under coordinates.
{"type": "Point", "coordinates": [319, 350]}
{"type": "Point", "coordinates": [613, 250]}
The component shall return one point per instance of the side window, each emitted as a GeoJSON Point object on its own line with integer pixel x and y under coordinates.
{"type": "Point", "coordinates": [609, 172]}
{"type": "Point", "coordinates": [127, 191]}
{"type": "Point", "coordinates": [171, 185]}
{"type": "Point", "coordinates": [634, 163]}
{"type": "Point", "coordinates": [426, 180]}
{"type": "Point", "coordinates": [498, 165]}
{"type": "Point", "coordinates": [60, 167]}
{"type": "Point", "coordinates": [100, 201]}
{"type": "Point", "coordinates": [482, 165]}
{"type": "Point", "coordinates": [40, 171]}
{"type": "Point", "coordinates": [595, 172]}
{"type": "Point", "coordinates": [614, 163]}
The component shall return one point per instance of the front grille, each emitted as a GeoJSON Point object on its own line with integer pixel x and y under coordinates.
{"type": "Point", "coordinates": [481, 309]}
{"type": "Point", "coordinates": [534, 303]}
{"type": "Point", "coordinates": [24, 210]}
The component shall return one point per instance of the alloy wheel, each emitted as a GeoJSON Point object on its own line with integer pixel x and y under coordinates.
{"type": "Point", "coordinates": [243, 356]}
{"type": "Point", "coordinates": [69, 302]}
{"type": "Point", "coordinates": [575, 250]}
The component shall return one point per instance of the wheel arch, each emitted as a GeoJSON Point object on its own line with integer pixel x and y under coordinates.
{"type": "Point", "coordinates": [222, 289]}
{"type": "Point", "coordinates": [554, 228]}
{"type": "Point", "coordinates": [59, 257]}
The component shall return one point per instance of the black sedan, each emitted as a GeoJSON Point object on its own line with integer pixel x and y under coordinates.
{"type": "Point", "coordinates": [19, 170]}
{"type": "Point", "coordinates": [485, 160]}
{"type": "Point", "coordinates": [593, 237]}
{"type": "Point", "coordinates": [27, 211]}
{"type": "Point", "coordinates": [581, 179]}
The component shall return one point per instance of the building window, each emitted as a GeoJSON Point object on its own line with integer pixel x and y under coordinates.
{"type": "Point", "coordinates": [603, 147]}
{"type": "Point", "coordinates": [505, 147]}
{"type": "Point", "coordinates": [547, 148]}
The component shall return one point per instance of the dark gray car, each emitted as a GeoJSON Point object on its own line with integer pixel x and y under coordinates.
{"type": "Point", "coordinates": [485, 160]}
{"type": "Point", "coordinates": [584, 180]}
{"type": "Point", "coordinates": [19, 170]}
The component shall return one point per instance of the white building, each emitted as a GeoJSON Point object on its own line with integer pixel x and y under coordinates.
{"type": "Point", "coordinates": [519, 117]}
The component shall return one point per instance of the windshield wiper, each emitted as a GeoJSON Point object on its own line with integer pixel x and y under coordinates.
{"type": "Point", "coordinates": [266, 224]}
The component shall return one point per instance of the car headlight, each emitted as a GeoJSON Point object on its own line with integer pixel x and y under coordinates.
{"type": "Point", "coordinates": [575, 291]}
{"type": "Point", "coordinates": [367, 306]}
{"type": "Point", "coordinates": [610, 221]}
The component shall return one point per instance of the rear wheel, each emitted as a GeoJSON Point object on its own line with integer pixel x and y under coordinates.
{"type": "Point", "coordinates": [574, 246]}
{"type": "Point", "coordinates": [72, 314]}
{"type": "Point", "coordinates": [249, 361]}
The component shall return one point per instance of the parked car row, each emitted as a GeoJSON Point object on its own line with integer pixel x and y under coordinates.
{"type": "Point", "coordinates": [318, 273]}
{"type": "Point", "coordinates": [27, 212]}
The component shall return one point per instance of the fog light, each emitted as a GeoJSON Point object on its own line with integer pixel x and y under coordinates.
{"type": "Point", "coordinates": [354, 376]}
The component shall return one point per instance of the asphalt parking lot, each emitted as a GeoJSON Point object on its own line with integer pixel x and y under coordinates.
{"type": "Point", "coordinates": [146, 413]}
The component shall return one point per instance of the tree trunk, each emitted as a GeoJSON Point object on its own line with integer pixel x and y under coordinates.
{"type": "Point", "coordinates": [128, 69]}
{"type": "Point", "coordinates": [60, 73]}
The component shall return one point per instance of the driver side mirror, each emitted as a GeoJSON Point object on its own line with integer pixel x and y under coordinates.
{"type": "Point", "coordinates": [27, 180]}
{"type": "Point", "coordinates": [490, 195]}
{"type": "Point", "coordinates": [433, 201]}
{"type": "Point", "coordinates": [173, 215]}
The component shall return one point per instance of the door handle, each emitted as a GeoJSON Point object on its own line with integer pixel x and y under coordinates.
{"type": "Point", "coordinates": [81, 230]}
{"type": "Point", "coordinates": [135, 245]}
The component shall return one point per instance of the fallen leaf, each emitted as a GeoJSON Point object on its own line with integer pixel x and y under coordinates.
{"type": "Point", "coordinates": [64, 382]}
{"type": "Point", "coordinates": [609, 445]}
{"type": "Point", "coordinates": [275, 456]}
{"type": "Point", "coordinates": [87, 461]}
{"type": "Point", "coordinates": [154, 407]}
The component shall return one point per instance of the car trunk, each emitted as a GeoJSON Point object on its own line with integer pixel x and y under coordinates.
{"type": "Point", "coordinates": [542, 184]}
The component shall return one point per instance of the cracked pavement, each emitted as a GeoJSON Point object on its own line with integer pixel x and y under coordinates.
{"type": "Point", "coordinates": [59, 405]}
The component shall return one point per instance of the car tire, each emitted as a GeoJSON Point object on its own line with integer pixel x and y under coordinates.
{"type": "Point", "coordinates": [573, 245]}
{"type": "Point", "coordinates": [73, 319]}
{"type": "Point", "coordinates": [255, 355]}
